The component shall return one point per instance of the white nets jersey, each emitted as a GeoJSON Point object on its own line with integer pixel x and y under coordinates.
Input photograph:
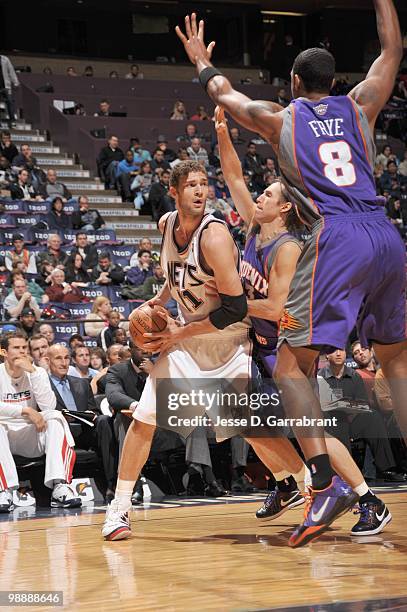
{"type": "Point", "coordinates": [194, 363]}
{"type": "Point", "coordinates": [193, 287]}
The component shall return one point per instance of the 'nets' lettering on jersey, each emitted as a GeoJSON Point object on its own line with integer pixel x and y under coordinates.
{"type": "Point", "coordinates": [181, 275]}
{"type": "Point", "coordinates": [16, 397]}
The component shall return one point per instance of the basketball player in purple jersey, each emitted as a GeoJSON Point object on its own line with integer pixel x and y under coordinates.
{"type": "Point", "coordinates": [269, 263]}
{"type": "Point", "coordinates": [326, 152]}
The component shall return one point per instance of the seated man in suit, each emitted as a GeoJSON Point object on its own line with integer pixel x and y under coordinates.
{"type": "Point", "coordinates": [74, 394]}
{"type": "Point", "coordinates": [124, 384]}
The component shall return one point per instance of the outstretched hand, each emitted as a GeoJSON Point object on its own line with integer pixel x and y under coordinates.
{"type": "Point", "coordinates": [220, 120]}
{"type": "Point", "coordinates": [193, 41]}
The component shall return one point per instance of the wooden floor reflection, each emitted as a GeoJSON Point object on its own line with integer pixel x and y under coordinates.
{"type": "Point", "coordinates": [215, 557]}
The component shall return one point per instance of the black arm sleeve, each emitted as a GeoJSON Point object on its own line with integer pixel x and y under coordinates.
{"type": "Point", "coordinates": [233, 309]}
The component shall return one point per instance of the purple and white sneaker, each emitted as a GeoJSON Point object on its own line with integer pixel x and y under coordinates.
{"type": "Point", "coordinates": [322, 508]}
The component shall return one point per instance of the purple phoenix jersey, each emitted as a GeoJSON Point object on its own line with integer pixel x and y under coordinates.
{"type": "Point", "coordinates": [255, 269]}
{"type": "Point", "coordinates": [351, 270]}
{"type": "Point", "coordinates": [326, 157]}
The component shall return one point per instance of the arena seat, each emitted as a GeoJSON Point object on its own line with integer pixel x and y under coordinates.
{"type": "Point", "coordinates": [42, 235]}
{"type": "Point", "coordinates": [6, 235]}
{"type": "Point", "coordinates": [122, 307]}
{"type": "Point", "coordinates": [121, 255]}
{"type": "Point", "coordinates": [93, 291]}
{"type": "Point", "coordinates": [71, 206]}
{"type": "Point", "coordinates": [89, 341]}
{"type": "Point", "coordinates": [114, 293]}
{"type": "Point", "coordinates": [24, 220]}
{"type": "Point", "coordinates": [7, 221]}
{"type": "Point", "coordinates": [78, 310]}
{"type": "Point", "coordinates": [38, 207]}
{"type": "Point", "coordinates": [11, 206]}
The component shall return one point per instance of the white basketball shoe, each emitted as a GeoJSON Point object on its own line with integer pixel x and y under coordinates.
{"type": "Point", "coordinates": [117, 523]}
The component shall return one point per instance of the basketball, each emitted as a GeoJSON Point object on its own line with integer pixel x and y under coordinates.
{"type": "Point", "coordinates": [142, 320]}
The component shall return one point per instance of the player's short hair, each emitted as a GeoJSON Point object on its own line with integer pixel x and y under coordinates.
{"type": "Point", "coordinates": [182, 170]}
{"type": "Point", "coordinates": [5, 338]}
{"type": "Point", "coordinates": [316, 67]}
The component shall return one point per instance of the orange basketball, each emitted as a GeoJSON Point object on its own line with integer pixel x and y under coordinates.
{"type": "Point", "coordinates": [145, 320]}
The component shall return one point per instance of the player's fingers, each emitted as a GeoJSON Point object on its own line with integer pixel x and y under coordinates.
{"type": "Point", "coordinates": [193, 25]}
{"type": "Point", "coordinates": [155, 335]}
{"type": "Point", "coordinates": [210, 47]}
{"type": "Point", "coordinates": [201, 29]}
{"type": "Point", "coordinates": [152, 347]}
{"type": "Point", "coordinates": [160, 310]}
{"type": "Point", "coordinates": [219, 114]}
{"type": "Point", "coordinates": [181, 35]}
{"type": "Point", "coordinates": [188, 27]}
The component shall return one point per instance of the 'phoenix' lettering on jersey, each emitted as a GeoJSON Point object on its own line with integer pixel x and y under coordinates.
{"type": "Point", "coordinates": [253, 276]}
{"type": "Point", "coordinates": [16, 397]}
{"type": "Point", "coordinates": [327, 127]}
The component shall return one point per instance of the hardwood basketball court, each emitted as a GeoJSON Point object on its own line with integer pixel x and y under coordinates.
{"type": "Point", "coordinates": [214, 556]}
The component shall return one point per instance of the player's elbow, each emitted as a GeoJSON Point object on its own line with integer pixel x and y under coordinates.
{"type": "Point", "coordinates": [393, 54]}
{"type": "Point", "coordinates": [399, 51]}
{"type": "Point", "coordinates": [232, 310]}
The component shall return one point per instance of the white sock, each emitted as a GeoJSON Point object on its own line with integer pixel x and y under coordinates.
{"type": "Point", "coordinates": [281, 475]}
{"type": "Point", "coordinates": [361, 489]}
{"type": "Point", "coordinates": [303, 478]}
{"type": "Point", "coordinates": [124, 491]}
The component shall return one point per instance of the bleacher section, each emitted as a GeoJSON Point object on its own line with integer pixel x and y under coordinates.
{"type": "Point", "coordinates": [124, 222]}
{"type": "Point", "coordinates": [148, 105]}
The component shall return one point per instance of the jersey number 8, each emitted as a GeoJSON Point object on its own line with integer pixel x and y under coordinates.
{"type": "Point", "coordinates": [337, 157]}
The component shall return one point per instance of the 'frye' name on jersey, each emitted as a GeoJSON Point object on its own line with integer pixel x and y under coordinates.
{"type": "Point", "coordinates": [181, 276]}
{"type": "Point", "coordinates": [327, 127]}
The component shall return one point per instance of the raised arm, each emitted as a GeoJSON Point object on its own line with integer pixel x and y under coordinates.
{"type": "Point", "coordinates": [232, 169]}
{"type": "Point", "coordinates": [373, 93]}
{"type": "Point", "coordinates": [259, 116]}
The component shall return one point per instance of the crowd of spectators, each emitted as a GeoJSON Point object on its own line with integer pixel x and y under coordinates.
{"type": "Point", "coordinates": [142, 177]}
{"type": "Point", "coordinates": [133, 73]}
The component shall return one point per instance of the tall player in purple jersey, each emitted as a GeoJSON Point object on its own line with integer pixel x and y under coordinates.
{"type": "Point", "coordinates": [269, 263]}
{"type": "Point", "coordinates": [325, 150]}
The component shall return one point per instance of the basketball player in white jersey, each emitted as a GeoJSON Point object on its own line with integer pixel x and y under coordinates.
{"type": "Point", "coordinates": [30, 425]}
{"type": "Point", "coordinates": [201, 262]}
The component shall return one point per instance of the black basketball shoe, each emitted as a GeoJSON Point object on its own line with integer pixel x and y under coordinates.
{"type": "Point", "coordinates": [373, 519]}
{"type": "Point", "coordinates": [278, 502]}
